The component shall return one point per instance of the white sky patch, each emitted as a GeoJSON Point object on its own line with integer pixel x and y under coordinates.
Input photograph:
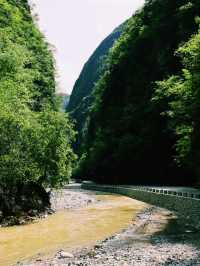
{"type": "Point", "coordinates": [100, 29]}
{"type": "Point", "coordinates": [76, 28]}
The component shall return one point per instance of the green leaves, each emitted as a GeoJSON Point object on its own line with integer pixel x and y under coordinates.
{"type": "Point", "coordinates": [146, 103]}
{"type": "Point", "coordinates": [35, 139]}
{"type": "Point", "coordinates": [182, 95]}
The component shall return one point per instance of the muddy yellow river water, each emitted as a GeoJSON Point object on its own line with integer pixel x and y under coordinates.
{"type": "Point", "coordinates": [67, 229]}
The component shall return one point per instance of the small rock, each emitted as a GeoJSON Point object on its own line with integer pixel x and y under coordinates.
{"type": "Point", "coordinates": [22, 222]}
{"type": "Point", "coordinates": [50, 211]}
{"type": "Point", "coordinates": [97, 246]}
{"type": "Point", "coordinates": [38, 260]}
{"type": "Point", "coordinates": [188, 231]}
{"type": "Point", "coordinates": [64, 255]}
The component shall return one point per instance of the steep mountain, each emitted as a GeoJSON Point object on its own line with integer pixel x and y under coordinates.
{"type": "Point", "coordinates": [64, 99]}
{"type": "Point", "coordinates": [144, 128]}
{"type": "Point", "coordinates": [81, 96]}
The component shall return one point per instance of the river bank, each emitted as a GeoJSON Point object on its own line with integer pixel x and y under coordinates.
{"type": "Point", "coordinates": [67, 199]}
{"type": "Point", "coordinates": [87, 217]}
{"type": "Point", "coordinates": [154, 237]}
{"type": "Point", "coordinates": [60, 199]}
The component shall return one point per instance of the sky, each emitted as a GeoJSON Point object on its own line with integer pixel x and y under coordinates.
{"type": "Point", "coordinates": [76, 27]}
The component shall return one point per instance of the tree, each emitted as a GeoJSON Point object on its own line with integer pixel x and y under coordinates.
{"type": "Point", "coordinates": [182, 94]}
{"type": "Point", "coordinates": [136, 144]}
{"type": "Point", "coordinates": [35, 138]}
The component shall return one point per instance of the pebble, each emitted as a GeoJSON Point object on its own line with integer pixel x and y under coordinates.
{"type": "Point", "coordinates": [65, 199]}
{"type": "Point", "coordinates": [64, 255]}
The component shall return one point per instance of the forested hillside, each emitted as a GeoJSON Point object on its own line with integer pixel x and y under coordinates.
{"type": "Point", "coordinates": [35, 138]}
{"type": "Point", "coordinates": [144, 124]}
{"type": "Point", "coordinates": [81, 97]}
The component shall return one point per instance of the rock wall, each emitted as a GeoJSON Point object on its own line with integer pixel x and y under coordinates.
{"type": "Point", "coordinates": [185, 205]}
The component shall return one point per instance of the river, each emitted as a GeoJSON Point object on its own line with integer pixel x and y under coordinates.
{"type": "Point", "coordinates": [68, 229]}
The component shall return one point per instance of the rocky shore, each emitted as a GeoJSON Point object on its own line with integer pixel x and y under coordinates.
{"type": "Point", "coordinates": [71, 199]}
{"type": "Point", "coordinates": [23, 203]}
{"type": "Point", "coordinates": [155, 237]}
{"type": "Point", "coordinates": [59, 199]}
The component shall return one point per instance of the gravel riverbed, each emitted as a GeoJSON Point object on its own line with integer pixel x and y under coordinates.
{"type": "Point", "coordinates": [155, 237]}
{"type": "Point", "coordinates": [71, 199]}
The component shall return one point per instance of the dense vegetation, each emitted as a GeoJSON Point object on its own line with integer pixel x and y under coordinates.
{"type": "Point", "coordinates": [144, 124]}
{"type": "Point", "coordinates": [82, 93]}
{"type": "Point", "coordinates": [35, 138]}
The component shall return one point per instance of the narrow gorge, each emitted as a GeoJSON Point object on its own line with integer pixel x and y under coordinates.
{"type": "Point", "coordinates": [109, 175]}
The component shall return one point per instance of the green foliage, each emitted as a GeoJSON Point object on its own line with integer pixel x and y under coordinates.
{"type": "Point", "coordinates": [55, 156]}
{"type": "Point", "coordinates": [35, 138]}
{"type": "Point", "coordinates": [143, 140]}
{"type": "Point", "coordinates": [18, 28]}
{"type": "Point", "coordinates": [182, 95]}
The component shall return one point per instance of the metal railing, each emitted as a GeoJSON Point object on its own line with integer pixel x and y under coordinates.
{"type": "Point", "coordinates": [164, 191]}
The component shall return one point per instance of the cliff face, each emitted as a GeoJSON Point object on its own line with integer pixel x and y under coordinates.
{"type": "Point", "coordinates": [81, 96]}
{"type": "Point", "coordinates": [140, 129]}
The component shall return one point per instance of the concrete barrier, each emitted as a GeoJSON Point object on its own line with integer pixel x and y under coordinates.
{"type": "Point", "coordinates": [73, 186]}
{"type": "Point", "coordinates": [186, 204]}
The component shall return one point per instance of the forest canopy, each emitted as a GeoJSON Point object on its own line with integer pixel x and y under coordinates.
{"type": "Point", "coordinates": [35, 138]}
{"type": "Point", "coordinates": [143, 125]}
